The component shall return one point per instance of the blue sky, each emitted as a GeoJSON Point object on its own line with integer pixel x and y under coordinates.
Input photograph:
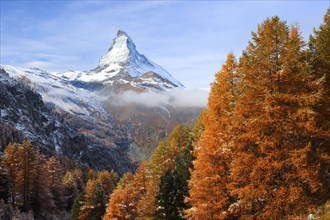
{"type": "Point", "coordinates": [190, 39]}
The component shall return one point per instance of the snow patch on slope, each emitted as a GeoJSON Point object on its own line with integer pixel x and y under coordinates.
{"type": "Point", "coordinates": [56, 91]}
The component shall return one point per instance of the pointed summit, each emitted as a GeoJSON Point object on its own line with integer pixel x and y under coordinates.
{"type": "Point", "coordinates": [123, 58]}
{"type": "Point", "coordinates": [124, 64]}
{"type": "Point", "coordinates": [121, 32]}
{"type": "Point", "coordinates": [119, 52]}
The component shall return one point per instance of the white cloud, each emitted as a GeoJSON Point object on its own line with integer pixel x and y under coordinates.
{"type": "Point", "coordinates": [175, 97]}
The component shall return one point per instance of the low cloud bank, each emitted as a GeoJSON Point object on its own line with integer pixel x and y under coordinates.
{"type": "Point", "coordinates": [175, 97]}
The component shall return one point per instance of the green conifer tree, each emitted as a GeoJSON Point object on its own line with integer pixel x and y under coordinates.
{"type": "Point", "coordinates": [170, 197]}
{"type": "Point", "coordinates": [75, 210]}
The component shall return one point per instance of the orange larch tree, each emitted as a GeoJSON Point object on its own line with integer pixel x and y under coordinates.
{"type": "Point", "coordinates": [119, 200]}
{"type": "Point", "coordinates": [271, 171]}
{"type": "Point", "coordinates": [55, 176]}
{"type": "Point", "coordinates": [124, 201]}
{"type": "Point", "coordinates": [209, 196]}
{"type": "Point", "coordinates": [319, 59]}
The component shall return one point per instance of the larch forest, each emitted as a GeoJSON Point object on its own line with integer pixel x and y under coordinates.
{"type": "Point", "coordinates": [259, 151]}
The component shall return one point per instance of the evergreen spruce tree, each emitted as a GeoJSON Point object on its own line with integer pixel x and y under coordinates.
{"type": "Point", "coordinates": [162, 159]}
{"type": "Point", "coordinates": [4, 182]}
{"type": "Point", "coordinates": [98, 202]}
{"type": "Point", "coordinates": [173, 188]}
{"type": "Point", "coordinates": [184, 163]}
{"type": "Point", "coordinates": [170, 197]}
{"type": "Point", "coordinates": [75, 210]}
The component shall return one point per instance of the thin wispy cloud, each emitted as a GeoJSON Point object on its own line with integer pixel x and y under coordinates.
{"type": "Point", "coordinates": [189, 39]}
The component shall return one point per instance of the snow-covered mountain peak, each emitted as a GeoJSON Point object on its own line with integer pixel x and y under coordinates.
{"type": "Point", "coordinates": [119, 53]}
{"type": "Point", "coordinates": [123, 60]}
{"type": "Point", "coordinates": [124, 65]}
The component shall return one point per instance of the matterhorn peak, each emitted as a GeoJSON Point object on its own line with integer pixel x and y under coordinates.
{"type": "Point", "coordinates": [123, 58]}
{"type": "Point", "coordinates": [124, 64]}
